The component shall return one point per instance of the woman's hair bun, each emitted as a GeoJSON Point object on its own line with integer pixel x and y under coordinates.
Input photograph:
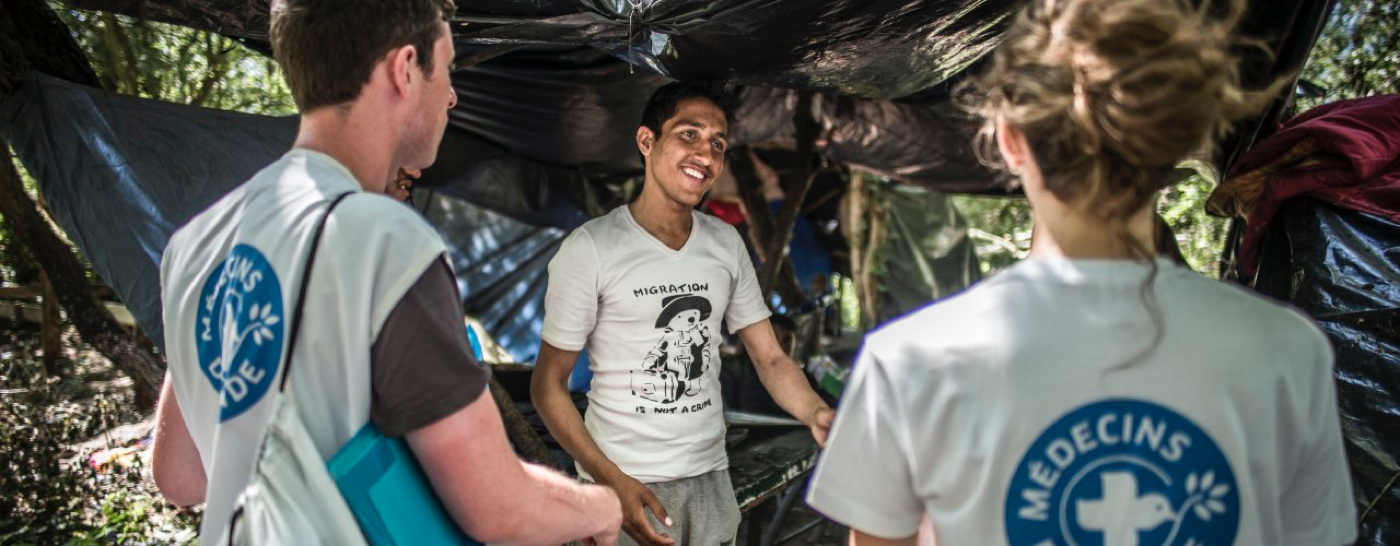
{"type": "Point", "coordinates": [1111, 94]}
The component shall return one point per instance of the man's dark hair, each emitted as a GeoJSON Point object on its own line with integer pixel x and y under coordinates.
{"type": "Point", "coordinates": [328, 48]}
{"type": "Point", "coordinates": [662, 104]}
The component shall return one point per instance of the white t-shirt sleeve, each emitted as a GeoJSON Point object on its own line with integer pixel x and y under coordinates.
{"type": "Point", "coordinates": [863, 478]}
{"type": "Point", "coordinates": [571, 300]}
{"type": "Point", "coordinates": [1317, 502]}
{"type": "Point", "coordinates": [746, 305]}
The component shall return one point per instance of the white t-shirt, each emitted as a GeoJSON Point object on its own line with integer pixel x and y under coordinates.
{"type": "Point", "coordinates": [650, 317]}
{"type": "Point", "coordinates": [228, 285]}
{"type": "Point", "coordinates": [997, 413]}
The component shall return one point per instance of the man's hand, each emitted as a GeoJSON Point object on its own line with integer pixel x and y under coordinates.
{"type": "Point", "coordinates": [820, 423]}
{"type": "Point", "coordinates": [636, 498]}
{"type": "Point", "coordinates": [614, 519]}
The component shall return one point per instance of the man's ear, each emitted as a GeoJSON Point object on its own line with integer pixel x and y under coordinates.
{"type": "Point", "coordinates": [645, 140]}
{"type": "Point", "coordinates": [401, 63]}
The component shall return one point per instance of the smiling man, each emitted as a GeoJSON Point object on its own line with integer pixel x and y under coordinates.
{"type": "Point", "coordinates": [645, 288]}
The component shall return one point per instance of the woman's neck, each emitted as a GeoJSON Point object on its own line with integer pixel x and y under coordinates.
{"type": "Point", "coordinates": [1061, 232]}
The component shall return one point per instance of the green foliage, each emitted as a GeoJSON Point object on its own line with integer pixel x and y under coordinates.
{"type": "Point", "coordinates": [48, 494]}
{"type": "Point", "coordinates": [1358, 53]}
{"type": "Point", "coordinates": [1200, 235]}
{"type": "Point", "coordinates": [1000, 228]}
{"type": "Point", "coordinates": [178, 64]}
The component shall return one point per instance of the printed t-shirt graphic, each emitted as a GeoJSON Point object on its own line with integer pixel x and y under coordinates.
{"type": "Point", "coordinates": [1121, 473]}
{"type": "Point", "coordinates": [676, 365]}
{"type": "Point", "coordinates": [650, 316]}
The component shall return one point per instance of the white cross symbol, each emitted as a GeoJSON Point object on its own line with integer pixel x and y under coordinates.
{"type": "Point", "coordinates": [1121, 514]}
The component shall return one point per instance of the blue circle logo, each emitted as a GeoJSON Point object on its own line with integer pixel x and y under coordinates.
{"type": "Point", "coordinates": [1123, 472]}
{"type": "Point", "coordinates": [239, 328]}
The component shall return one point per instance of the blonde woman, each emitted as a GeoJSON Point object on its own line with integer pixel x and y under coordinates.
{"type": "Point", "coordinates": [1094, 393]}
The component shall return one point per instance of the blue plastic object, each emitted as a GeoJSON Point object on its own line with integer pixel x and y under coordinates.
{"type": "Point", "coordinates": [475, 342]}
{"type": "Point", "coordinates": [390, 496]}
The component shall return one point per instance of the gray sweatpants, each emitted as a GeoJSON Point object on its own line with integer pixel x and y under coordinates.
{"type": "Point", "coordinates": [702, 509]}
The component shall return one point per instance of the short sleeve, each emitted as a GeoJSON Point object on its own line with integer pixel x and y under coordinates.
{"type": "Point", "coordinates": [863, 478]}
{"type": "Point", "coordinates": [1318, 507]}
{"type": "Point", "coordinates": [571, 299]}
{"type": "Point", "coordinates": [746, 305]}
{"type": "Point", "coordinates": [421, 366]}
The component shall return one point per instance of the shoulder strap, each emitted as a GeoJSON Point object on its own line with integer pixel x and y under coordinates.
{"type": "Point", "coordinates": [301, 292]}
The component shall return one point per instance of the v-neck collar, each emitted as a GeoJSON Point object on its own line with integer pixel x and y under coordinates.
{"type": "Point", "coordinates": [641, 231]}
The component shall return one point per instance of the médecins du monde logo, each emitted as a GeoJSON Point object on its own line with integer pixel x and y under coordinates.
{"type": "Point", "coordinates": [1123, 472]}
{"type": "Point", "coordinates": [238, 329]}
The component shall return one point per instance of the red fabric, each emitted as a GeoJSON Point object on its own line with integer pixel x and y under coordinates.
{"type": "Point", "coordinates": [1363, 134]}
{"type": "Point", "coordinates": [731, 212]}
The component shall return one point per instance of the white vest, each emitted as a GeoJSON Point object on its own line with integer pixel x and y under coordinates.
{"type": "Point", "coordinates": [229, 282]}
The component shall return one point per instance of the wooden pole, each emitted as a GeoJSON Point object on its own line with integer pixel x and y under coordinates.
{"type": "Point", "coordinates": [807, 130]}
{"type": "Point", "coordinates": [50, 328]}
{"type": "Point", "coordinates": [744, 166]}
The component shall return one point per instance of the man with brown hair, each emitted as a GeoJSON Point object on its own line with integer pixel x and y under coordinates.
{"type": "Point", "coordinates": [381, 338]}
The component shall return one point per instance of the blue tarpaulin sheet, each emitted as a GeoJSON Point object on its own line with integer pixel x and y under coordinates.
{"type": "Point", "coordinates": [120, 174]}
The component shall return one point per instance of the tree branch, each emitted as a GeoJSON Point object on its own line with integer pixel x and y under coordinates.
{"type": "Point", "coordinates": [35, 39]}
{"type": "Point", "coordinates": [94, 323]}
{"type": "Point", "coordinates": [744, 165]}
{"type": "Point", "coordinates": [804, 172]}
{"type": "Point", "coordinates": [127, 67]}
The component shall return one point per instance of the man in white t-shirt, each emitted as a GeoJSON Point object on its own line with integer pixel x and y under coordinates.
{"type": "Point", "coordinates": [646, 288]}
{"type": "Point", "coordinates": [381, 341]}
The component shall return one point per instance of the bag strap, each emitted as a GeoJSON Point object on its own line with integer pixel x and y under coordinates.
{"type": "Point", "coordinates": [301, 293]}
{"type": "Point", "coordinates": [237, 515]}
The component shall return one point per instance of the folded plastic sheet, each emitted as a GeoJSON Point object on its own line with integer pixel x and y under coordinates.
{"type": "Point", "coordinates": [121, 174]}
{"type": "Point", "coordinates": [1343, 268]}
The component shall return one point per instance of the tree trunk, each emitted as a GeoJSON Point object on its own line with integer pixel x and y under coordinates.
{"type": "Point", "coordinates": [761, 232]}
{"type": "Point", "coordinates": [795, 191]}
{"type": "Point", "coordinates": [519, 430]}
{"type": "Point", "coordinates": [33, 38]}
{"type": "Point", "coordinates": [65, 272]}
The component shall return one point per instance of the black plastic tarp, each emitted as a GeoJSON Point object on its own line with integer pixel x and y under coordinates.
{"type": "Point", "coordinates": [559, 112]}
{"type": "Point", "coordinates": [869, 48]}
{"type": "Point", "coordinates": [1343, 268]}
{"type": "Point", "coordinates": [120, 174]}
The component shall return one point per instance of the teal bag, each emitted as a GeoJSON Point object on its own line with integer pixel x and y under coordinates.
{"type": "Point", "coordinates": [387, 491]}
{"type": "Point", "coordinates": [390, 496]}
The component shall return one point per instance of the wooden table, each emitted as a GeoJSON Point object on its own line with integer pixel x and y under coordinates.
{"type": "Point", "coordinates": [769, 470]}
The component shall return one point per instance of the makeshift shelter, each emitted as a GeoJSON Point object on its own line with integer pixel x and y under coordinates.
{"type": "Point", "coordinates": [541, 138]}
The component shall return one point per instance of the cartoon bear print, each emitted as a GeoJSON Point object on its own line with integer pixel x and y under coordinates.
{"type": "Point", "coordinates": [680, 359]}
